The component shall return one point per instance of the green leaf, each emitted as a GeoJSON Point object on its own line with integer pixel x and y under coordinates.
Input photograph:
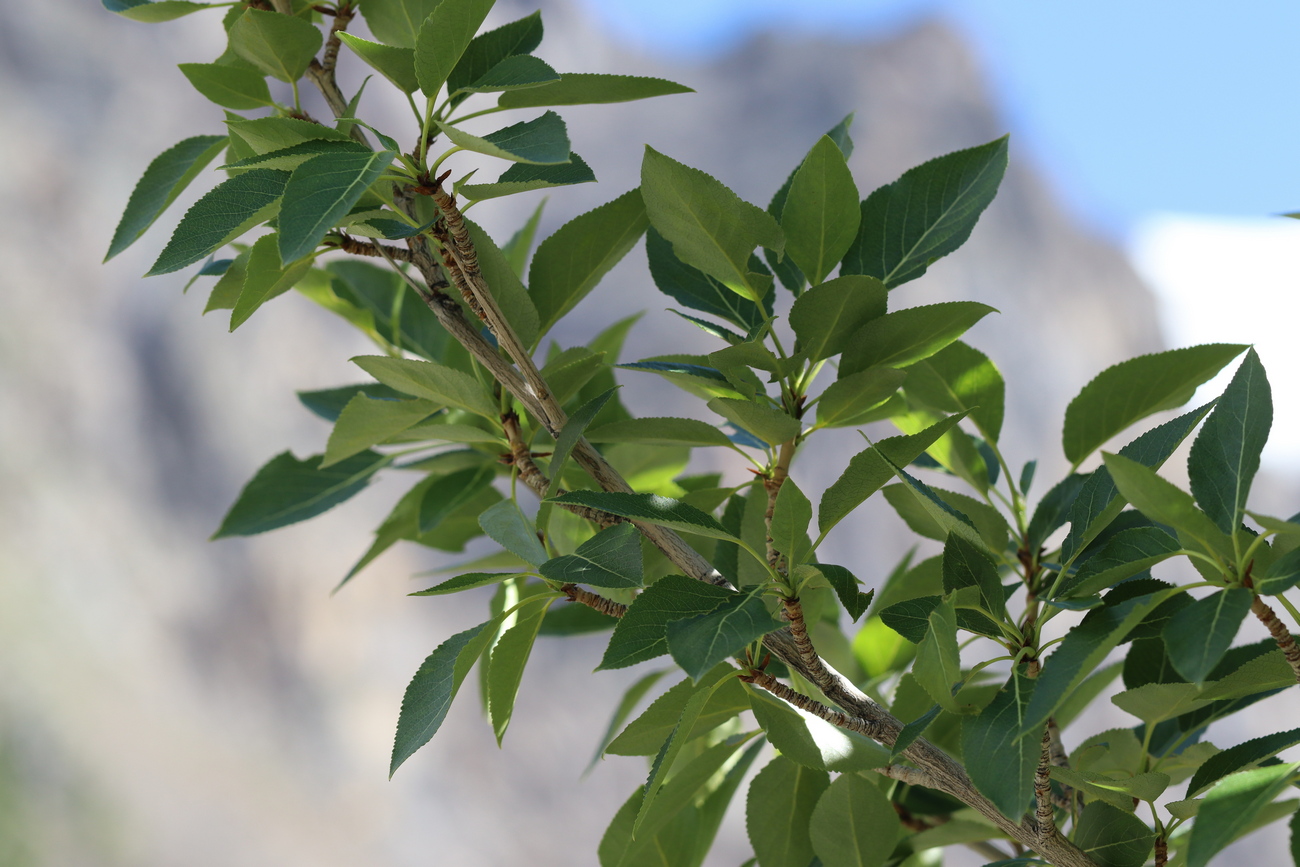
{"type": "Point", "coordinates": [328, 403]}
{"type": "Point", "coordinates": [287, 490]}
{"type": "Point", "coordinates": [709, 226]}
{"type": "Point", "coordinates": [642, 633]}
{"type": "Point", "coordinates": [434, 687]}
{"type": "Point", "coordinates": [431, 381]}
{"type": "Point", "coordinates": [631, 698]}
{"type": "Point", "coordinates": [1228, 810]}
{"type": "Point", "coordinates": [319, 193]}
{"type": "Point", "coordinates": [848, 402]}
{"type": "Point", "coordinates": [510, 294]}
{"type": "Point", "coordinates": [1225, 455]}
{"type": "Point", "coordinates": [765, 421]}
{"type": "Point", "coordinates": [826, 316]}
{"type": "Point", "coordinates": [905, 337]}
{"type": "Point", "coordinates": [611, 558]}
{"type": "Point", "coordinates": [870, 469]}
{"type": "Point", "coordinates": [468, 581]}
{"type": "Point", "coordinates": [1198, 635]}
{"type": "Point", "coordinates": [969, 565]}
{"type": "Point", "coordinates": [660, 431]}
{"type": "Point", "coordinates": [1099, 501]}
{"type": "Point", "coordinates": [506, 664]}
{"type": "Point", "coordinates": [1280, 576]}
{"type": "Point", "coordinates": [927, 513]}
{"type": "Point", "coordinates": [959, 378]}
{"type": "Point", "coordinates": [289, 158]}
{"type": "Point", "coordinates": [847, 589]}
{"type": "Point", "coordinates": [508, 527]}
{"type": "Point", "coordinates": [520, 245]}
{"type": "Point", "coordinates": [1261, 674]}
{"type": "Point", "coordinates": [165, 179]}
{"type": "Point", "coordinates": [1118, 792]}
{"type": "Point", "coordinates": [1134, 389]}
{"type": "Point", "coordinates": [701, 642]}
{"type": "Point", "coordinates": [1001, 762]}
{"type": "Point", "coordinates": [265, 278]}
{"type": "Point", "coordinates": [820, 215]}
{"type": "Point", "coordinates": [1053, 510]}
{"type": "Point", "coordinates": [443, 38]}
{"type": "Point", "coordinates": [938, 661]}
{"type": "Point", "coordinates": [646, 734]}
{"type": "Point", "coordinates": [1156, 702]}
{"type": "Point", "coordinates": [811, 741]}
{"type": "Point", "coordinates": [394, 63]}
{"type": "Point", "coordinates": [489, 49]}
{"type": "Point", "coordinates": [396, 22]}
{"type": "Point", "coordinates": [570, 263]}
{"type": "Point", "coordinates": [925, 214]}
{"type": "Point", "coordinates": [649, 508]}
{"type": "Point", "coordinates": [365, 422]}
{"type": "Point", "coordinates": [1164, 503]}
{"type": "Point", "coordinates": [280, 45]}
{"type": "Point", "coordinates": [778, 809]}
{"type": "Point", "coordinates": [575, 88]}
{"type": "Point", "coordinates": [265, 134]}
{"type": "Point", "coordinates": [381, 293]}
{"type": "Point", "coordinates": [692, 288]}
{"type": "Point", "coordinates": [1241, 756]}
{"type": "Point", "coordinates": [1082, 652]}
{"type": "Point", "coordinates": [1124, 555]}
{"type": "Point", "coordinates": [525, 177]}
{"type": "Point", "coordinates": [450, 493]}
{"type": "Point", "coordinates": [790, 518]}
{"type": "Point", "coordinates": [571, 433]}
{"type": "Point", "coordinates": [1112, 837]}
{"type": "Point", "coordinates": [513, 73]}
{"type": "Point", "coordinates": [854, 824]}
{"type": "Point", "coordinates": [154, 11]}
{"type": "Point", "coordinates": [543, 140]}
{"type": "Point", "coordinates": [223, 214]}
{"type": "Point", "coordinates": [228, 86]}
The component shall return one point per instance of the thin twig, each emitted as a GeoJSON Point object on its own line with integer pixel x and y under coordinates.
{"type": "Point", "coordinates": [1280, 633]}
{"type": "Point", "coordinates": [593, 600]}
{"type": "Point", "coordinates": [816, 708]}
{"type": "Point", "coordinates": [1064, 799]}
{"type": "Point", "coordinates": [349, 244]}
{"type": "Point", "coordinates": [904, 774]}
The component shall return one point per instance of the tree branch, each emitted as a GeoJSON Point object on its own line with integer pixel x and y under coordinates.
{"type": "Point", "coordinates": [1280, 633]}
{"type": "Point", "coordinates": [1044, 809]}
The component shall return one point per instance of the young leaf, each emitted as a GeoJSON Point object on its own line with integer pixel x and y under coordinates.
{"type": "Point", "coordinates": [925, 214]}
{"type": "Point", "coordinates": [394, 63]}
{"type": "Point", "coordinates": [279, 45]}
{"type": "Point", "coordinates": [701, 642]}
{"type": "Point", "coordinates": [224, 213]}
{"type": "Point", "coordinates": [364, 422]}
{"type": "Point", "coordinates": [642, 633]}
{"type": "Point", "coordinates": [761, 419]}
{"type": "Point", "coordinates": [1134, 389]}
{"type": "Point", "coordinates": [506, 664]}
{"type": "Point", "coordinates": [905, 337]}
{"type": "Point", "coordinates": [709, 226]}
{"type": "Point", "coordinates": [165, 179]}
{"type": "Point", "coordinates": [431, 691]}
{"type": "Point", "coordinates": [1198, 636]}
{"type": "Point", "coordinates": [847, 589]}
{"type": "Point", "coordinates": [491, 48]}
{"type": "Point", "coordinates": [811, 741]}
{"type": "Point", "coordinates": [543, 140]}
{"type": "Point", "coordinates": [938, 661]}
{"type": "Point", "coordinates": [265, 278]}
{"type": "Point", "coordinates": [820, 215]}
{"type": "Point", "coordinates": [1112, 837]}
{"type": "Point", "coordinates": [1239, 757]}
{"type": "Point", "coordinates": [319, 193]}
{"type": "Point", "coordinates": [778, 809]}
{"type": "Point", "coordinates": [508, 527]}
{"type": "Point", "coordinates": [432, 381]}
{"type": "Point", "coordinates": [854, 824]}
{"type": "Point", "coordinates": [692, 288]}
{"type": "Point", "coordinates": [443, 38]}
{"type": "Point", "coordinates": [1001, 762]}
{"type": "Point", "coordinates": [611, 558]}
{"type": "Point", "coordinates": [570, 263]}
{"type": "Point", "coordinates": [450, 493]}
{"type": "Point", "coordinates": [287, 490]}
{"type": "Point", "coordinates": [826, 316]}
{"type": "Point", "coordinates": [1225, 454]}
{"type": "Point", "coordinates": [396, 22]}
{"type": "Point", "coordinates": [525, 177]}
{"type": "Point", "coordinates": [1163, 502]}
{"type": "Point", "coordinates": [576, 88]}
{"type": "Point", "coordinates": [228, 86]}
{"type": "Point", "coordinates": [650, 508]}
{"type": "Point", "coordinates": [849, 401]}
{"type": "Point", "coordinates": [959, 378]}
{"type": "Point", "coordinates": [660, 431]}
{"type": "Point", "coordinates": [1230, 808]}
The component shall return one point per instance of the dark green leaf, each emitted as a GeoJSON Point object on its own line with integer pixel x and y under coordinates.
{"type": "Point", "coordinates": [650, 508]}
{"type": "Point", "coordinates": [431, 691]}
{"type": "Point", "coordinates": [811, 741]}
{"type": "Point", "coordinates": [778, 809]}
{"type": "Point", "coordinates": [223, 214]}
{"type": "Point", "coordinates": [1113, 838]}
{"type": "Point", "coordinates": [506, 664]}
{"type": "Point", "coordinates": [570, 263]}
{"type": "Point", "coordinates": [524, 177]}
{"type": "Point", "coordinates": [791, 515]}
{"type": "Point", "coordinates": [511, 296]}
{"type": "Point", "coordinates": [930, 514]}
{"type": "Point", "coordinates": [228, 86]}
{"type": "Point", "coordinates": [491, 48]}
{"type": "Point", "coordinates": [468, 581]}
{"type": "Point", "coordinates": [287, 490]}
{"type": "Point", "coordinates": [543, 140]}
{"type": "Point", "coordinates": [969, 565]}
{"type": "Point", "coordinates": [571, 433]}
{"type": "Point", "coordinates": [1199, 635]}
{"type": "Point", "coordinates": [701, 642]}
{"type": "Point", "coordinates": [1001, 762]}
{"type": "Point", "coordinates": [848, 401]}
{"type": "Point", "coordinates": [820, 214]}
{"type": "Point", "coordinates": [279, 45]}
{"type": "Point", "coordinates": [642, 633]}
{"type": "Point", "coordinates": [508, 527]}
{"type": "Point", "coordinates": [907, 336]}
{"type": "Point", "coordinates": [289, 158]}
{"type": "Point", "coordinates": [365, 422]}
{"type": "Point", "coordinates": [575, 88]}
{"type": "Point", "coordinates": [165, 179]}
{"type": "Point", "coordinates": [1124, 555]}
{"type": "Point", "coordinates": [1231, 807]}
{"type": "Point", "coordinates": [319, 193]}
{"type": "Point", "coordinates": [1054, 510]}
{"type": "Point", "coordinates": [925, 214]}
{"type": "Point", "coordinates": [692, 288]}
{"type": "Point", "coordinates": [1165, 503]}
{"type": "Point", "coordinates": [854, 824]}
{"type": "Point", "coordinates": [265, 277]}
{"type": "Point", "coordinates": [265, 134]}
{"type": "Point", "coordinates": [846, 586]}
{"type": "Point", "coordinates": [938, 660]}
{"type": "Point", "coordinates": [763, 420]}
{"type": "Point", "coordinates": [396, 22]}
{"type": "Point", "coordinates": [450, 493]}
{"type": "Point", "coordinates": [611, 558]}
{"type": "Point", "coordinates": [394, 63]}
{"type": "Point", "coordinates": [443, 37]}
{"type": "Point", "coordinates": [1134, 389]}
{"type": "Point", "coordinates": [959, 378]}
{"type": "Point", "coordinates": [1281, 575]}
{"type": "Point", "coordinates": [1241, 756]}
{"type": "Point", "coordinates": [1225, 455]}
{"type": "Point", "coordinates": [380, 292]}
{"type": "Point", "coordinates": [826, 316]}
{"type": "Point", "coordinates": [328, 403]}
{"type": "Point", "coordinates": [660, 431]}
{"type": "Point", "coordinates": [513, 73]}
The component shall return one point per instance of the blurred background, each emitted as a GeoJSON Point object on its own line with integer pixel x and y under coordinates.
{"type": "Point", "coordinates": [165, 700]}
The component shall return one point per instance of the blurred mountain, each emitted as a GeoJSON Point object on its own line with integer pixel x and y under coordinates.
{"type": "Point", "coordinates": [164, 700]}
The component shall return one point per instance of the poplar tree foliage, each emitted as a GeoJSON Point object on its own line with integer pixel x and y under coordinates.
{"type": "Point", "coordinates": [869, 726]}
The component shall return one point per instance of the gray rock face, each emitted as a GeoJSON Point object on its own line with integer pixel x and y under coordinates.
{"type": "Point", "coordinates": [164, 700]}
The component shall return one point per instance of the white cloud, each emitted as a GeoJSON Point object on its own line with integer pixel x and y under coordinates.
{"type": "Point", "coordinates": [1225, 280]}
